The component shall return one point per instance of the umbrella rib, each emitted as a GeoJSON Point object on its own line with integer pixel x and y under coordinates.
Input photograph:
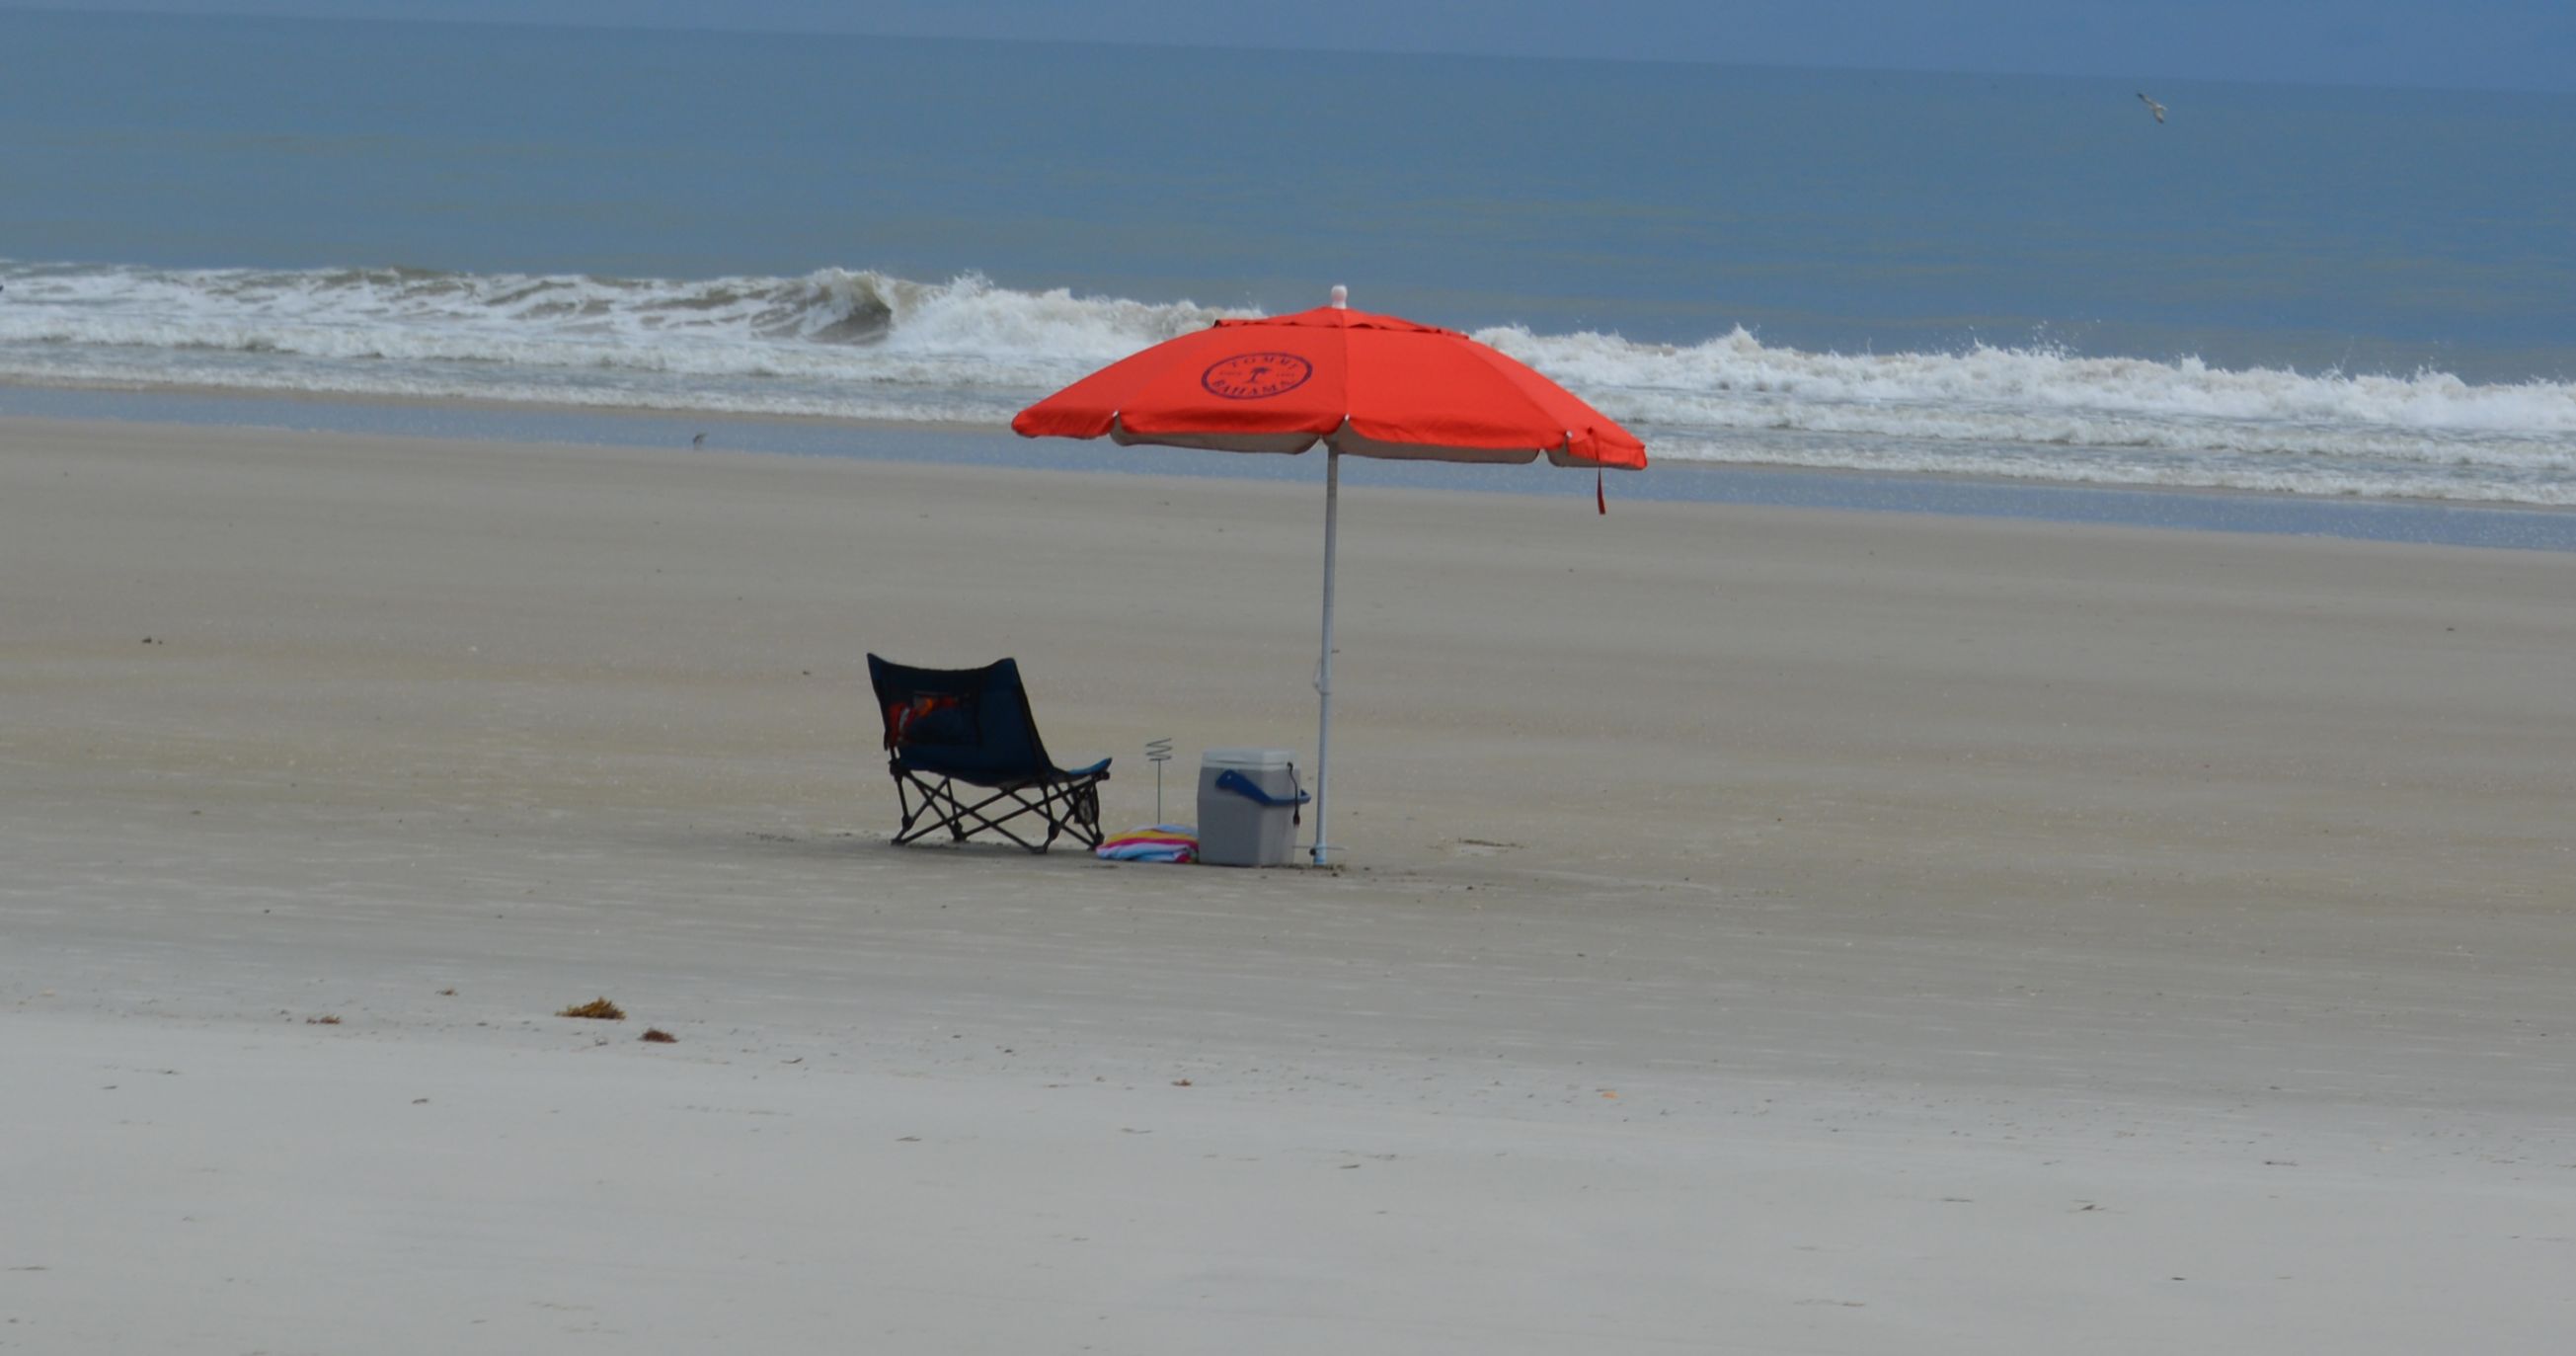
{"type": "Point", "coordinates": [1486, 353]}
{"type": "Point", "coordinates": [1509, 366]}
{"type": "Point", "coordinates": [1538, 413]}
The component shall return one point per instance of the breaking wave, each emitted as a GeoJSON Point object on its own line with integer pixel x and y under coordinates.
{"type": "Point", "coordinates": [868, 345]}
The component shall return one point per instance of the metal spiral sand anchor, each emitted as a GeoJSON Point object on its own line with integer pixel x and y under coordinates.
{"type": "Point", "coordinates": [1158, 752]}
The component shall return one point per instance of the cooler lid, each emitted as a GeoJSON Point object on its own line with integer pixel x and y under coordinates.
{"type": "Point", "coordinates": [1247, 758]}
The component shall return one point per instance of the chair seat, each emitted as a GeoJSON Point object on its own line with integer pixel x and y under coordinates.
{"type": "Point", "coordinates": [930, 764]}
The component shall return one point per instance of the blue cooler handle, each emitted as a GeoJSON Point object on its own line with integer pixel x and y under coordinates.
{"type": "Point", "coordinates": [1236, 782]}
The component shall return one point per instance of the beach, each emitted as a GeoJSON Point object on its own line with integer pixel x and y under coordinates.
{"type": "Point", "coordinates": [1761, 929]}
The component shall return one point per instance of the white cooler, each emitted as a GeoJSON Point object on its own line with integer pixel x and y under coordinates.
{"type": "Point", "coordinates": [1248, 807]}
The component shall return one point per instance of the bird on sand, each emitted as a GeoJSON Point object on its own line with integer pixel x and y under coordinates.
{"type": "Point", "coordinates": [698, 441]}
{"type": "Point", "coordinates": [2152, 106]}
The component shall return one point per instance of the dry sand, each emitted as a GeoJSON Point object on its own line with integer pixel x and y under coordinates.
{"type": "Point", "coordinates": [1765, 930]}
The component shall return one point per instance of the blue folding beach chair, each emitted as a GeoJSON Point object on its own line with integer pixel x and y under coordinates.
{"type": "Point", "coordinates": [947, 727]}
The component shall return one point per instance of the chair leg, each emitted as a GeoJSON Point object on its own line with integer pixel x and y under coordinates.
{"type": "Point", "coordinates": [917, 799]}
{"type": "Point", "coordinates": [1082, 811]}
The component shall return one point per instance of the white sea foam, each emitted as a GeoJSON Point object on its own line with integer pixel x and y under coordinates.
{"type": "Point", "coordinates": [2049, 396]}
{"type": "Point", "coordinates": [832, 323]}
{"type": "Point", "coordinates": [868, 345]}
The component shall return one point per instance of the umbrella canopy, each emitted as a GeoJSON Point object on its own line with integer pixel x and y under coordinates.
{"type": "Point", "coordinates": [1367, 385]}
{"type": "Point", "coordinates": [1363, 385]}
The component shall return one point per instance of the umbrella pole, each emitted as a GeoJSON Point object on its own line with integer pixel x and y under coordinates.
{"type": "Point", "coordinates": [1324, 670]}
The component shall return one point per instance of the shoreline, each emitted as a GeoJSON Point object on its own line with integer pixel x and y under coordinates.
{"type": "Point", "coordinates": [2190, 508]}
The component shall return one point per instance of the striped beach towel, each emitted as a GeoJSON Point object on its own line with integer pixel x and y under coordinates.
{"type": "Point", "coordinates": [1161, 843]}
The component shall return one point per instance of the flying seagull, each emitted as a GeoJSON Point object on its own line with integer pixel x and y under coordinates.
{"type": "Point", "coordinates": [2153, 107]}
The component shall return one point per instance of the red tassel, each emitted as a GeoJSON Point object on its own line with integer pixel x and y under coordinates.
{"type": "Point", "coordinates": [1599, 495]}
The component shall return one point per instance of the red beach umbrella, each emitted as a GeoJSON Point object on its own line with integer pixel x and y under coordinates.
{"type": "Point", "coordinates": [1362, 385]}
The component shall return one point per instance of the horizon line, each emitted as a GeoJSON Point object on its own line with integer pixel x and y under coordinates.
{"type": "Point", "coordinates": [1129, 44]}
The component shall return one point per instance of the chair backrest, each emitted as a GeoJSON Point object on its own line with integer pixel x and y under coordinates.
{"type": "Point", "coordinates": [970, 724]}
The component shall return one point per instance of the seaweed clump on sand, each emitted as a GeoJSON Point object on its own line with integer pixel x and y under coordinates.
{"type": "Point", "coordinates": [657, 1035]}
{"type": "Point", "coordinates": [598, 1008]}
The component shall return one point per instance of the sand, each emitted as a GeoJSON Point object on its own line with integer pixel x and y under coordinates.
{"type": "Point", "coordinates": [1763, 929]}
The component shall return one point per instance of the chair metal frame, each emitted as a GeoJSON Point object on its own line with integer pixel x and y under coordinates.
{"type": "Point", "coordinates": [931, 800]}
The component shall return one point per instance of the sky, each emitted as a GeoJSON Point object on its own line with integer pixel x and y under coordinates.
{"type": "Point", "coordinates": [2473, 44]}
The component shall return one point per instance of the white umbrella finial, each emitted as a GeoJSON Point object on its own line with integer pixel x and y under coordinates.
{"type": "Point", "coordinates": [1341, 297]}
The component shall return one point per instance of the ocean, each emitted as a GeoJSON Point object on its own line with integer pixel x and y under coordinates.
{"type": "Point", "coordinates": [2337, 292]}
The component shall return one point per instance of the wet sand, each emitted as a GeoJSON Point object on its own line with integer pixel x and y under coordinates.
{"type": "Point", "coordinates": [1763, 929]}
